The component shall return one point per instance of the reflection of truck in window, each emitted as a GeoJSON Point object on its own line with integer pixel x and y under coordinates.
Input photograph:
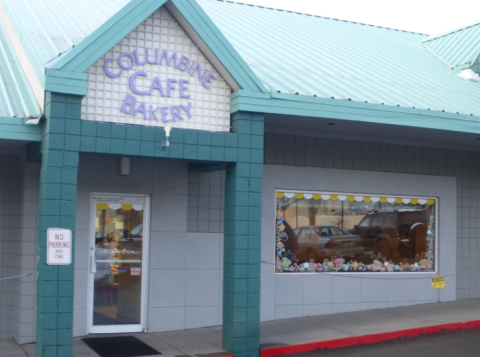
{"type": "Point", "coordinates": [395, 234]}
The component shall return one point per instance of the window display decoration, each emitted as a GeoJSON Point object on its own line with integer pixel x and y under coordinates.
{"type": "Point", "coordinates": [115, 206]}
{"type": "Point", "coordinates": [323, 232]}
{"type": "Point", "coordinates": [123, 252]}
{"type": "Point", "coordinates": [351, 198]}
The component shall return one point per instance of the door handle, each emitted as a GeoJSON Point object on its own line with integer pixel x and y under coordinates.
{"type": "Point", "coordinates": [93, 265]}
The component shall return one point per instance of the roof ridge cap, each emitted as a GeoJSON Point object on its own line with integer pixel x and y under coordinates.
{"type": "Point", "coordinates": [449, 32]}
{"type": "Point", "coordinates": [319, 16]}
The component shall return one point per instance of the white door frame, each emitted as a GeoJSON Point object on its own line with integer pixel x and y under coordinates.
{"type": "Point", "coordinates": [145, 268]}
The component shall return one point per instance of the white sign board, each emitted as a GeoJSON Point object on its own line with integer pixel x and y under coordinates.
{"type": "Point", "coordinates": [157, 76]}
{"type": "Point", "coordinates": [59, 246]}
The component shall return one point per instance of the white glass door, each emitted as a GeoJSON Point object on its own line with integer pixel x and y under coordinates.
{"type": "Point", "coordinates": [118, 263]}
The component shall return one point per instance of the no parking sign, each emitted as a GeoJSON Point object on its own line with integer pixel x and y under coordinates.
{"type": "Point", "coordinates": [59, 246]}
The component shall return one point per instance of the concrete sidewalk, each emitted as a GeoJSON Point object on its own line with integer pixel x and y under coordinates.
{"type": "Point", "coordinates": [279, 337]}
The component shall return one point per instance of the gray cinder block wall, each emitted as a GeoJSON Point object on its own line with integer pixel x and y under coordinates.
{"type": "Point", "coordinates": [185, 274]}
{"type": "Point", "coordinates": [292, 150]}
{"type": "Point", "coordinates": [301, 151]}
{"type": "Point", "coordinates": [25, 312]}
{"type": "Point", "coordinates": [9, 211]}
{"type": "Point", "coordinates": [9, 234]}
{"type": "Point", "coordinates": [18, 254]}
{"type": "Point", "coordinates": [206, 196]}
{"type": "Point", "coordinates": [286, 295]}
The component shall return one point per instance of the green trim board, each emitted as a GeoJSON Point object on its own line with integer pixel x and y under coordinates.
{"type": "Point", "coordinates": [16, 129]}
{"type": "Point", "coordinates": [15, 135]}
{"type": "Point", "coordinates": [290, 104]}
{"type": "Point", "coordinates": [66, 82]}
{"type": "Point", "coordinates": [107, 138]}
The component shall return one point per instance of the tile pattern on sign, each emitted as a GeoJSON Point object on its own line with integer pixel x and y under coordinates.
{"type": "Point", "coordinates": [210, 108]}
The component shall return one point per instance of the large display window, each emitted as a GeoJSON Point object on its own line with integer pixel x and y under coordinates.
{"type": "Point", "coordinates": [340, 232]}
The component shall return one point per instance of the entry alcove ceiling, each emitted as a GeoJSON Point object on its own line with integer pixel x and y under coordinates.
{"type": "Point", "coordinates": [371, 132]}
{"type": "Point", "coordinates": [12, 146]}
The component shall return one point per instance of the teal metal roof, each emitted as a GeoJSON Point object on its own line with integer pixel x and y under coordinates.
{"type": "Point", "coordinates": [53, 27]}
{"type": "Point", "coordinates": [328, 58]}
{"type": "Point", "coordinates": [459, 49]}
{"type": "Point", "coordinates": [16, 96]}
{"type": "Point", "coordinates": [290, 53]}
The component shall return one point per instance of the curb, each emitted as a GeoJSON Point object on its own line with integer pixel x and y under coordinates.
{"type": "Point", "coordinates": [367, 339]}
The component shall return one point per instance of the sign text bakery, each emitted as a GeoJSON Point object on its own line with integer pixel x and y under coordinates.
{"type": "Point", "coordinates": [145, 85]}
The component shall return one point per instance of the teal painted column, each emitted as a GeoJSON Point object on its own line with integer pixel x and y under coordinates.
{"type": "Point", "coordinates": [243, 201]}
{"type": "Point", "coordinates": [57, 206]}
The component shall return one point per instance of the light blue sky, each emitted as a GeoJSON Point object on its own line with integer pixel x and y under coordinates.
{"type": "Point", "coordinates": [425, 16]}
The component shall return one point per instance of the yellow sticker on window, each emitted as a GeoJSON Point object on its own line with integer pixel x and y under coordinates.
{"type": "Point", "coordinates": [102, 206]}
{"type": "Point", "coordinates": [438, 282]}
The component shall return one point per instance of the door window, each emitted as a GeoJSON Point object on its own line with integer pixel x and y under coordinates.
{"type": "Point", "coordinates": [117, 264]}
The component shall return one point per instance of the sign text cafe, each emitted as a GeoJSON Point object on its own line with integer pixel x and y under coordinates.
{"type": "Point", "coordinates": [167, 88]}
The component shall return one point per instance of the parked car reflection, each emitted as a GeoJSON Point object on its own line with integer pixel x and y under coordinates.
{"type": "Point", "coordinates": [323, 242]}
{"type": "Point", "coordinates": [394, 235]}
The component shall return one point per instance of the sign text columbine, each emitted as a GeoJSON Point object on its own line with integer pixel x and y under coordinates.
{"type": "Point", "coordinates": [168, 88]}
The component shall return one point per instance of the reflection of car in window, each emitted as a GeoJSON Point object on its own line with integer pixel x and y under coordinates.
{"type": "Point", "coordinates": [323, 242]}
{"type": "Point", "coordinates": [393, 234]}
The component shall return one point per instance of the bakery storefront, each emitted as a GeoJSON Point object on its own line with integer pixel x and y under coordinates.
{"type": "Point", "coordinates": [149, 186]}
{"type": "Point", "coordinates": [341, 246]}
{"type": "Point", "coordinates": [204, 184]}
{"type": "Point", "coordinates": [137, 221]}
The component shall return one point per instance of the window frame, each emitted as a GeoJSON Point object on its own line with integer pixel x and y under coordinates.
{"type": "Point", "coordinates": [436, 238]}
